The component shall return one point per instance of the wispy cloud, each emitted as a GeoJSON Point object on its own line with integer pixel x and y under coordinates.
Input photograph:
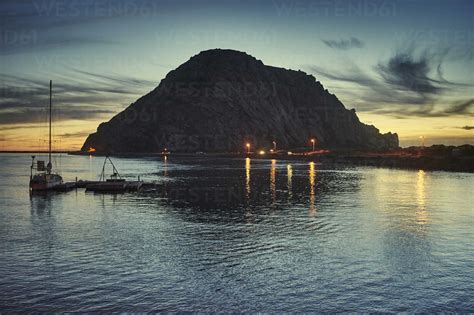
{"type": "Point", "coordinates": [80, 96]}
{"type": "Point", "coordinates": [31, 26]}
{"type": "Point", "coordinates": [47, 14]}
{"type": "Point", "coordinates": [79, 134]}
{"type": "Point", "coordinates": [461, 107]}
{"type": "Point", "coordinates": [36, 43]}
{"type": "Point", "coordinates": [344, 44]}
{"type": "Point", "coordinates": [22, 116]}
{"type": "Point", "coordinates": [406, 84]}
{"type": "Point", "coordinates": [409, 72]}
{"type": "Point", "coordinates": [458, 108]}
{"type": "Point", "coordinates": [376, 92]}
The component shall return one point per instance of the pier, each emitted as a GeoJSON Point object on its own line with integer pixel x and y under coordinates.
{"type": "Point", "coordinates": [104, 186]}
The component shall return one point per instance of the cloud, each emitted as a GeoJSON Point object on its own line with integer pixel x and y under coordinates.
{"type": "Point", "coordinates": [375, 91]}
{"type": "Point", "coordinates": [467, 127]}
{"type": "Point", "coordinates": [31, 26]}
{"type": "Point", "coordinates": [34, 43]}
{"type": "Point", "coordinates": [48, 15]}
{"type": "Point", "coordinates": [408, 72]}
{"type": "Point", "coordinates": [121, 80]}
{"type": "Point", "coordinates": [461, 107]}
{"type": "Point", "coordinates": [81, 96]}
{"type": "Point", "coordinates": [458, 108]}
{"type": "Point", "coordinates": [23, 116]}
{"type": "Point", "coordinates": [79, 134]}
{"type": "Point", "coordinates": [344, 44]}
{"type": "Point", "coordinates": [406, 84]}
{"type": "Point", "coordinates": [16, 127]}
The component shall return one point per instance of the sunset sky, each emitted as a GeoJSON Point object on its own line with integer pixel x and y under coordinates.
{"type": "Point", "coordinates": [405, 66]}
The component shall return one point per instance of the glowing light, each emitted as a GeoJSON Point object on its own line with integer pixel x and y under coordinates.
{"type": "Point", "coordinates": [261, 152]}
{"type": "Point", "coordinates": [247, 177]}
{"type": "Point", "coordinates": [248, 147]}
{"type": "Point", "coordinates": [273, 180]}
{"type": "Point", "coordinates": [290, 153]}
{"type": "Point", "coordinates": [312, 196]}
{"type": "Point", "coordinates": [313, 142]}
{"type": "Point", "coordinates": [421, 213]}
{"type": "Point", "coordinates": [165, 166]}
{"type": "Point", "coordinates": [422, 140]}
{"type": "Point", "coordinates": [289, 184]}
{"type": "Point", "coordinates": [271, 151]}
{"type": "Point", "coordinates": [91, 150]}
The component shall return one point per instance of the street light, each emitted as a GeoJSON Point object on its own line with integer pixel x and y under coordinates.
{"type": "Point", "coordinates": [313, 142]}
{"type": "Point", "coordinates": [248, 148]}
{"type": "Point", "coordinates": [422, 141]}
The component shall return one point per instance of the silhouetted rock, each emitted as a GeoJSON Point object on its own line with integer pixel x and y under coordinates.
{"type": "Point", "coordinates": [221, 99]}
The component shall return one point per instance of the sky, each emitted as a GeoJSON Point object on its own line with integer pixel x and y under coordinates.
{"type": "Point", "coordinates": [406, 66]}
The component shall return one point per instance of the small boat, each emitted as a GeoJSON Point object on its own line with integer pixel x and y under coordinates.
{"type": "Point", "coordinates": [44, 177]}
{"type": "Point", "coordinates": [114, 184]}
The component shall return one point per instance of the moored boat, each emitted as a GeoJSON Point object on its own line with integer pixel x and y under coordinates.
{"type": "Point", "coordinates": [45, 181]}
{"type": "Point", "coordinates": [44, 178]}
{"type": "Point", "coordinates": [114, 184]}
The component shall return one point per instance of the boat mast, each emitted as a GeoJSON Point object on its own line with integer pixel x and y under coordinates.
{"type": "Point", "coordinates": [50, 112]}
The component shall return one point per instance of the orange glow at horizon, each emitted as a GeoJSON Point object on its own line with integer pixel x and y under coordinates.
{"type": "Point", "coordinates": [71, 134]}
{"type": "Point", "coordinates": [67, 136]}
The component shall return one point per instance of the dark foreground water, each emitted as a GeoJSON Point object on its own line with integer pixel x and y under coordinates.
{"type": "Point", "coordinates": [238, 235]}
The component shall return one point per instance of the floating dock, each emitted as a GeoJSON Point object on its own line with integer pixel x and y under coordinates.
{"type": "Point", "coordinates": [117, 186]}
{"type": "Point", "coordinates": [114, 186]}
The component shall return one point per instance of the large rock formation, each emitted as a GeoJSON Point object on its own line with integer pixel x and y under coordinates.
{"type": "Point", "coordinates": [221, 99]}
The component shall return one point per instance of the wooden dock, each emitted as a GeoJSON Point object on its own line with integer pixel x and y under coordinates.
{"type": "Point", "coordinates": [65, 186]}
{"type": "Point", "coordinates": [104, 186]}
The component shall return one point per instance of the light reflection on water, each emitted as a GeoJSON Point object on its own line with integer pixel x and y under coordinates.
{"type": "Point", "coordinates": [421, 214]}
{"type": "Point", "coordinates": [312, 195]}
{"type": "Point", "coordinates": [273, 180]}
{"type": "Point", "coordinates": [238, 235]}
{"type": "Point", "coordinates": [247, 178]}
{"type": "Point", "coordinates": [289, 171]}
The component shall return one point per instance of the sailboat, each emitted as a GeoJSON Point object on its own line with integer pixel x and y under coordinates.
{"type": "Point", "coordinates": [44, 177]}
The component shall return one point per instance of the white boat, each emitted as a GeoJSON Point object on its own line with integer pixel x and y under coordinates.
{"type": "Point", "coordinates": [44, 178]}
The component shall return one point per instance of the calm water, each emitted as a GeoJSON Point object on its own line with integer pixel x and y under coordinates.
{"type": "Point", "coordinates": [238, 235]}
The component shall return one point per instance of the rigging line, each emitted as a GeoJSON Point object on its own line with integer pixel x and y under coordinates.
{"type": "Point", "coordinates": [114, 169]}
{"type": "Point", "coordinates": [50, 114]}
{"type": "Point", "coordinates": [102, 174]}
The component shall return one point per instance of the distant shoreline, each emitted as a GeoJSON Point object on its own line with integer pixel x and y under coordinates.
{"type": "Point", "coordinates": [37, 152]}
{"type": "Point", "coordinates": [434, 158]}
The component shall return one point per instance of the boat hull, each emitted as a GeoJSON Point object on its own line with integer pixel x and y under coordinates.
{"type": "Point", "coordinates": [107, 187]}
{"type": "Point", "coordinates": [45, 182]}
{"type": "Point", "coordinates": [114, 186]}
